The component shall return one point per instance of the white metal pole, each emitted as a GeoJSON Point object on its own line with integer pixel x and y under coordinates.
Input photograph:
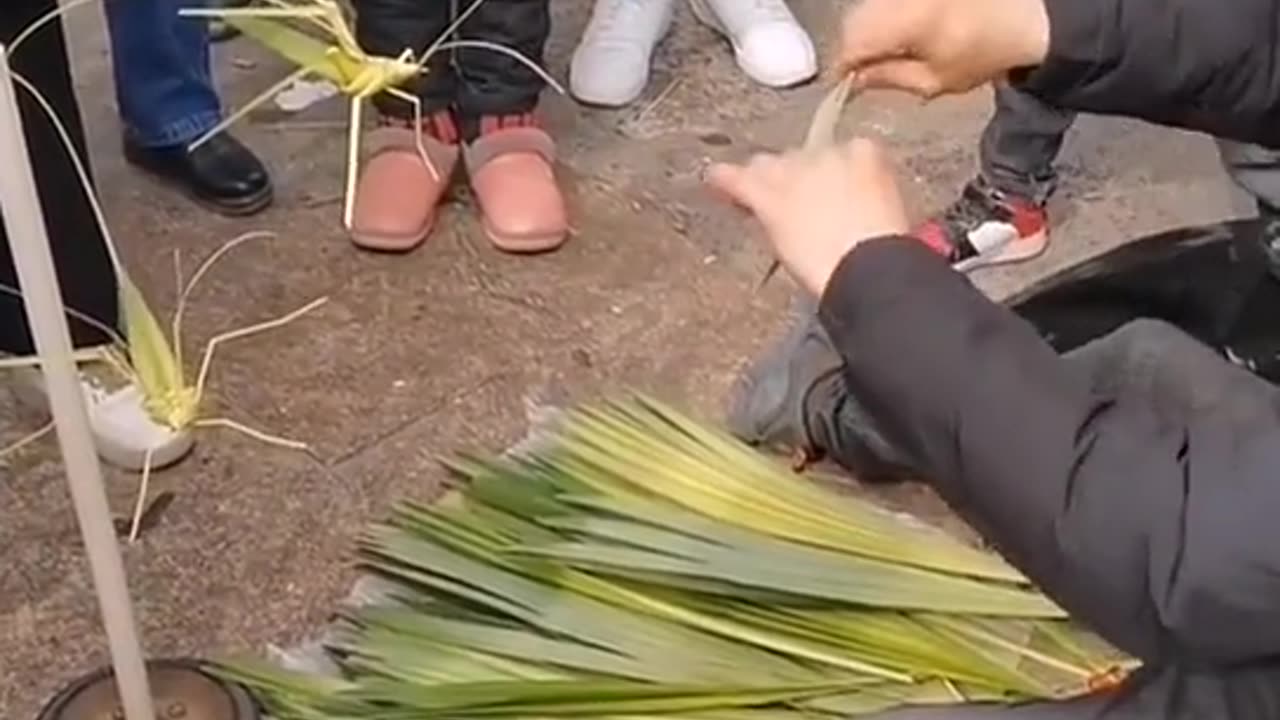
{"type": "Point", "coordinates": [29, 244]}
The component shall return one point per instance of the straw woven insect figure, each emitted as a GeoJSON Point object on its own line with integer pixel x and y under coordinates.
{"type": "Point", "coordinates": [316, 36]}
{"type": "Point", "coordinates": [148, 358]}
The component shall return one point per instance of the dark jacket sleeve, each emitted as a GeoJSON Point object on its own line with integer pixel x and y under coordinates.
{"type": "Point", "coordinates": [1164, 536]}
{"type": "Point", "coordinates": [1207, 65]}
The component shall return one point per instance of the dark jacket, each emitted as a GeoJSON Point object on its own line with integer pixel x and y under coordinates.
{"type": "Point", "coordinates": [1162, 534]}
{"type": "Point", "coordinates": [1208, 65]}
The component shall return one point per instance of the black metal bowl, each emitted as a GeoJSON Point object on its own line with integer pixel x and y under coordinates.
{"type": "Point", "coordinates": [181, 688]}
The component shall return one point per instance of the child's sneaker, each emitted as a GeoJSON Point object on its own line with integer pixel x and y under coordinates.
{"type": "Point", "coordinates": [122, 430]}
{"type": "Point", "coordinates": [611, 64]}
{"type": "Point", "coordinates": [770, 45]}
{"type": "Point", "coordinates": [987, 227]}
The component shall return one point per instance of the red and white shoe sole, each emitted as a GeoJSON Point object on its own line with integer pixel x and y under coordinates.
{"type": "Point", "coordinates": [1023, 250]}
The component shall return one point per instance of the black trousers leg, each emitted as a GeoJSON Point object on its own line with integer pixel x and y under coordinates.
{"type": "Point", "coordinates": [1175, 374]}
{"type": "Point", "coordinates": [474, 81]}
{"type": "Point", "coordinates": [388, 28]}
{"type": "Point", "coordinates": [494, 83]}
{"type": "Point", "coordinates": [79, 250]}
{"type": "Point", "coordinates": [1021, 143]}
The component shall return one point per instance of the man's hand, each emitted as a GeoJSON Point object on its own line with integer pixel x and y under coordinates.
{"type": "Point", "coordinates": [935, 47]}
{"type": "Point", "coordinates": [816, 206]}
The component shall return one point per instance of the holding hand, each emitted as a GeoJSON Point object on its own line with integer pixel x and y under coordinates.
{"type": "Point", "coordinates": [935, 47]}
{"type": "Point", "coordinates": [816, 206]}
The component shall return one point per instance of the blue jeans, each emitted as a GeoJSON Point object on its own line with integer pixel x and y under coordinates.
{"type": "Point", "coordinates": [164, 85]}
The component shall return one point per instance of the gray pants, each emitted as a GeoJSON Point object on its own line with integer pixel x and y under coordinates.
{"type": "Point", "coordinates": [1180, 377]}
{"type": "Point", "coordinates": [1024, 136]}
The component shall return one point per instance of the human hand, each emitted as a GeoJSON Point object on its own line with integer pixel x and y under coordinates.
{"type": "Point", "coordinates": [817, 205]}
{"type": "Point", "coordinates": [935, 47]}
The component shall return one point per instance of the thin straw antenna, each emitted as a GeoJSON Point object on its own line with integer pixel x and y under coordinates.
{"type": "Point", "coordinates": [29, 243]}
{"type": "Point", "coordinates": [44, 20]}
{"type": "Point", "coordinates": [449, 31]}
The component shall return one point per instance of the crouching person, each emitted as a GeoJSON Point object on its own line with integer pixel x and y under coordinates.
{"type": "Point", "coordinates": [1133, 479]}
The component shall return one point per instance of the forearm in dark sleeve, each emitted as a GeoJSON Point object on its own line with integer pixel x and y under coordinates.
{"type": "Point", "coordinates": [1196, 64]}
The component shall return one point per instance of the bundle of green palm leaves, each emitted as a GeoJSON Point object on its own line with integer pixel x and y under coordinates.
{"type": "Point", "coordinates": [637, 564]}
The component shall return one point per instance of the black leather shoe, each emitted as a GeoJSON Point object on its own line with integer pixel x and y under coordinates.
{"type": "Point", "coordinates": [222, 174]}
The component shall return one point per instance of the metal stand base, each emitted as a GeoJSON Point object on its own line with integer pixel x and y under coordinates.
{"type": "Point", "coordinates": [181, 689]}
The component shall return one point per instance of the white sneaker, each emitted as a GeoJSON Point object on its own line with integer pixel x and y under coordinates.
{"type": "Point", "coordinates": [610, 67]}
{"type": "Point", "coordinates": [122, 430]}
{"type": "Point", "coordinates": [770, 46]}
